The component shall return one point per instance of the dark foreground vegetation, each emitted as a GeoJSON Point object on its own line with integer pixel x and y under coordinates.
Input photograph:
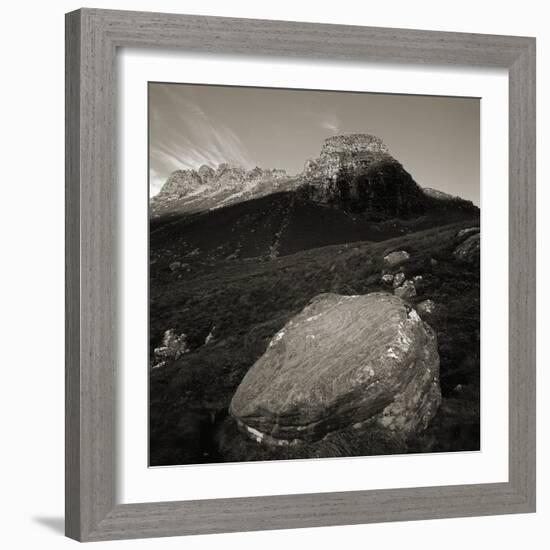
{"type": "Point", "coordinates": [242, 277]}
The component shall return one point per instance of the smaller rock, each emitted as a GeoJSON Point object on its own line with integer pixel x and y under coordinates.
{"type": "Point", "coordinates": [406, 291]}
{"type": "Point", "coordinates": [173, 347]}
{"type": "Point", "coordinates": [433, 262]}
{"type": "Point", "coordinates": [210, 336]}
{"type": "Point", "coordinates": [425, 308]}
{"type": "Point", "coordinates": [174, 266]}
{"type": "Point", "coordinates": [417, 279]}
{"type": "Point", "coordinates": [398, 279]}
{"type": "Point", "coordinates": [467, 231]}
{"type": "Point", "coordinates": [387, 279]}
{"type": "Point", "coordinates": [397, 257]}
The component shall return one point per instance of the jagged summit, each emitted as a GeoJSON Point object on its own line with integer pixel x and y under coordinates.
{"type": "Point", "coordinates": [208, 187]}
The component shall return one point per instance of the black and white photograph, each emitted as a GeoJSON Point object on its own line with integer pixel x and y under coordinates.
{"type": "Point", "coordinates": [314, 280]}
{"type": "Point", "coordinates": [271, 275]}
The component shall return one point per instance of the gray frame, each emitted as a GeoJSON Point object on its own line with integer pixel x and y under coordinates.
{"type": "Point", "coordinates": [92, 38]}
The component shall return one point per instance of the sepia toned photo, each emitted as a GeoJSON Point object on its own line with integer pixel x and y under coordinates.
{"type": "Point", "coordinates": [314, 274]}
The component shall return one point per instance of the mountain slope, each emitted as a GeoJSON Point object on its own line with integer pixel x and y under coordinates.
{"type": "Point", "coordinates": [275, 225]}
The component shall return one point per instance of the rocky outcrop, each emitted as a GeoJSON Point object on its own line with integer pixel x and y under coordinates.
{"type": "Point", "coordinates": [468, 251]}
{"type": "Point", "coordinates": [206, 188]}
{"type": "Point", "coordinates": [357, 173]}
{"type": "Point", "coordinates": [343, 362]}
{"type": "Point", "coordinates": [349, 152]}
{"type": "Point", "coordinates": [172, 348]}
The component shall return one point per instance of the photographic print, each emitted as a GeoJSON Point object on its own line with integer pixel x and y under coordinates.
{"type": "Point", "coordinates": [314, 274]}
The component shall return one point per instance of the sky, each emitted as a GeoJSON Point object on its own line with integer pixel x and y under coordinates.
{"type": "Point", "coordinates": [436, 139]}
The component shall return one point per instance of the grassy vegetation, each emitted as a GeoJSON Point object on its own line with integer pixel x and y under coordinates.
{"type": "Point", "coordinates": [244, 300]}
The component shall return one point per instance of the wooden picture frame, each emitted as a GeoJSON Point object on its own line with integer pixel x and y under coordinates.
{"type": "Point", "coordinates": [92, 39]}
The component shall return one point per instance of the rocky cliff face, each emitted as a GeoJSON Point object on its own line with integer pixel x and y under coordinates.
{"type": "Point", "coordinates": [207, 188]}
{"type": "Point", "coordinates": [350, 152]}
{"type": "Point", "coordinates": [357, 173]}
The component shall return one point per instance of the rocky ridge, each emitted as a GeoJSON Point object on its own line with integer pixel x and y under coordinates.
{"type": "Point", "coordinates": [354, 172]}
{"type": "Point", "coordinates": [207, 188]}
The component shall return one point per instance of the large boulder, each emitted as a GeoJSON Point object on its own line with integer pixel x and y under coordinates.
{"type": "Point", "coordinates": [468, 251]}
{"type": "Point", "coordinates": [344, 361]}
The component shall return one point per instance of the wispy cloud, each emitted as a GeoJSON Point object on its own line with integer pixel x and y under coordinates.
{"type": "Point", "coordinates": [184, 136]}
{"type": "Point", "coordinates": [331, 123]}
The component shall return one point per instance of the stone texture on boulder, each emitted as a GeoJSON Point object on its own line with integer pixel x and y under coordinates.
{"type": "Point", "coordinates": [396, 258]}
{"type": "Point", "coordinates": [387, 278]}
{"type": "Point", "coordinates": [406, 291]}
{"type": "Point", "coordinates": [343, 361]}
{"type": "Point", "coordinates": [468, 251]}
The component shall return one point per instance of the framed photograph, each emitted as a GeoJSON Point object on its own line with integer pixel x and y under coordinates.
{"type": "Point", "coordinates": [300, 275]}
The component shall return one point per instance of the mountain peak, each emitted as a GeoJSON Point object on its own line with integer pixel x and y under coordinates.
{"type": "Point", "coordinates": [351, 152]}
{"type": "Point", "coordinates": [208, 187]}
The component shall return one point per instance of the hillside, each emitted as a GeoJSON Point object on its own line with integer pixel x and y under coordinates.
{"type": "Point", "coordinates": [275, 225]}
{"type": "Point", "coordinates": [230, 310]}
